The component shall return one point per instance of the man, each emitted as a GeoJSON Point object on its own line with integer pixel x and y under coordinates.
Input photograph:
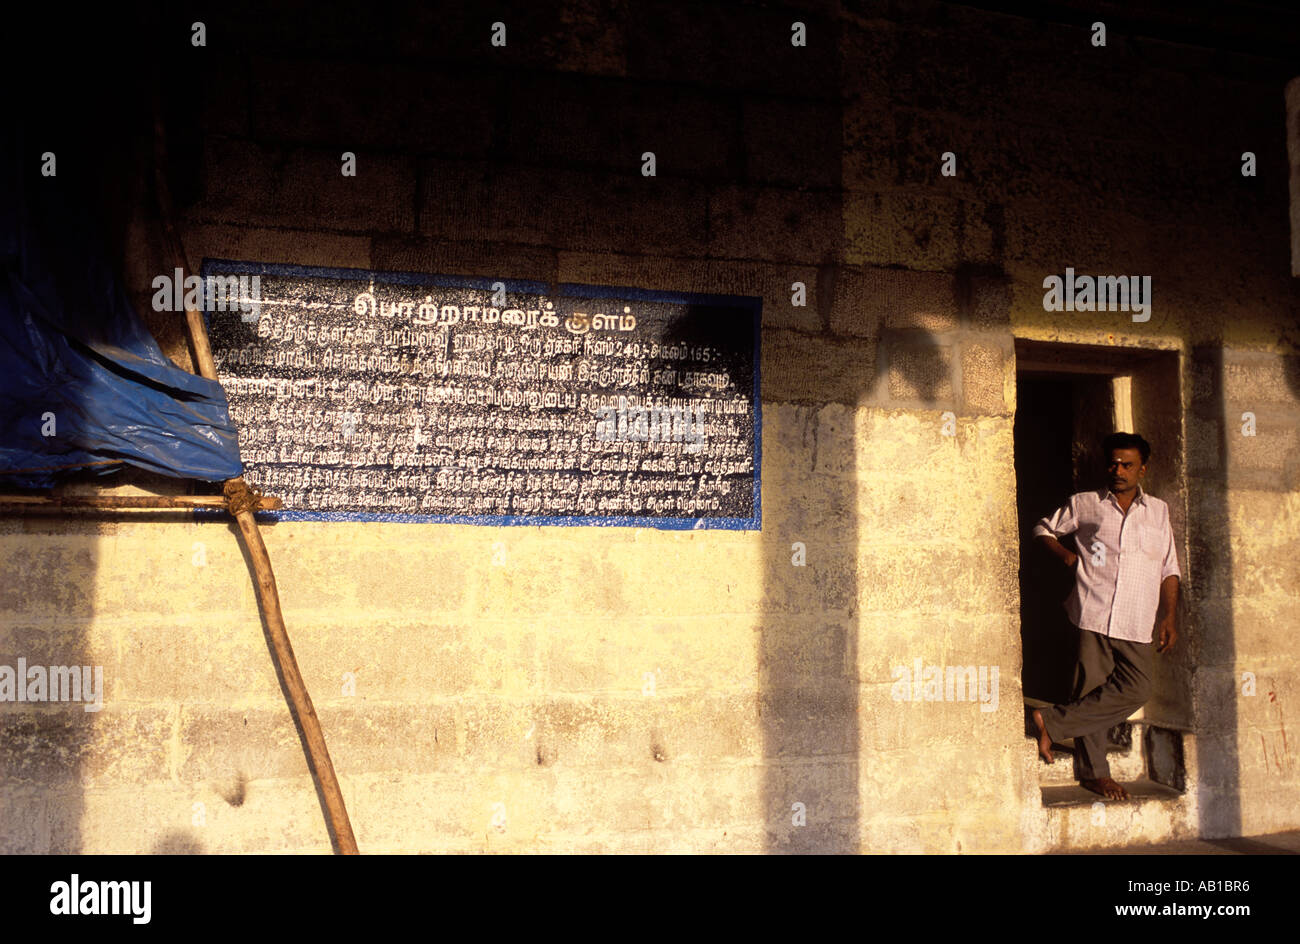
{"type": "Point", "coordinates": [1125, 592]}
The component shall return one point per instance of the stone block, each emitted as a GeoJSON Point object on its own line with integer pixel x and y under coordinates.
{"type": "Point", "coordinates": [1273, 447]}
{"type": "Point", "coordinates": [986, 301]}
{"type": "Point", "coordinates": [569, 209]}
{"type": "Point", "coordinates": [919, 370]}
{"type": "Point", "coordinates": [252, 184]}
{"type": "Point", "coordinates": [734, 48]}
{"type": "Point", "coordinates": [776, 225]}
{"type": "Point", "coordinates": [484, 259]}
{"type": "Point", "coordinates": [893, 298]}
{"type": "Point", "coordinates": [983, 377]}
{"type": "Point", "coordinates": [1260, 379]}
{"type": "Point", "coordinates": [64, 744]}
{"type": "Point", "coordinates": [812, 369]}
{"type": "Point", "coordinates": [577, 121]}
{"type": "Point", "coordinates": [792, 143]}
{"type": "Point", "coordinates": [374, 105]}
{"type": "Point", "coordinates": [916, 231]}
{"type": "Point", "coordinates": [870, 161]}
{"type": "Point", "coordinates": [805, 722]}
{"type": "Point", "coordinates": [306, 247]}
{"type": "Point", "coordinates": [803, 443]}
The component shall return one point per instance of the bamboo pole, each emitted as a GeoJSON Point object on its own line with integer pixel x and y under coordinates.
{"type": "Point", "coordinates": [124, 502]}
{"type": "Point", "coordinates": [242, 502]}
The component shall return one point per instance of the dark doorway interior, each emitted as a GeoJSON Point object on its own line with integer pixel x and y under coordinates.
{"type": "Point", "coordinates": [1060, 420]}
{"type": "Point", "coordinates": [1044, 475]}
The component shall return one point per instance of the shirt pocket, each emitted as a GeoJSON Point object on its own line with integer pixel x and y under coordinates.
{"type": "Point", "coordinates": [1153, 541]}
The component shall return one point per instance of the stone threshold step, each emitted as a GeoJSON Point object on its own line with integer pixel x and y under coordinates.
{"type": "Point", "coordinates": [1140, 791]}
{"type": "Point", "coordinates": [1123, 767]}
{"type": "Point", "coordinates": [1067, 748]}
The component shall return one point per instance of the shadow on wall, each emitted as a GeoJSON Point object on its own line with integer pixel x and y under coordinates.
{"type": "Point", "coordinates": [809, 642]}
{"type": "Point", "coordinates": [1211, 595]}
{"type": "Point", "coordinates": [47, 749]}
{"type": "Point", "coordinates": [55, 756]}
{"type": "Point", "coordinates": [1219, 668]}
{"type": "Point", "coordinates": [49, 744]}
{"type": "Point", "coordinates": [808, 684]}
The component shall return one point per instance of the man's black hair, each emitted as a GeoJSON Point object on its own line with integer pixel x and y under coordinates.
{"type": "Point", "coordinates": [1126, 441]}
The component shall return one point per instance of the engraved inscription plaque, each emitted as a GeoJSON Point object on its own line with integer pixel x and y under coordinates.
{"type": "Point", "coordinates": [409, 397]}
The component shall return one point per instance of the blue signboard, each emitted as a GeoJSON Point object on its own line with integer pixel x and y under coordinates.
{"type": "Point", "coordinates": [393, 396]}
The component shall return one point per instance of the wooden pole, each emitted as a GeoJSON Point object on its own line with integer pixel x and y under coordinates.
{"type": "Point", "coordinates": [124, 502]}
{"type": "Point", "coordinates": [242, 502]}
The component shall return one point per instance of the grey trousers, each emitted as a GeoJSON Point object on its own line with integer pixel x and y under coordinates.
{"type": "Point", "coordinates": [1111, 681]}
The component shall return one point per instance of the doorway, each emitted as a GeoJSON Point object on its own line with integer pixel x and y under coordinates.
{"type": "Point", "coordinates": [1068, 398]}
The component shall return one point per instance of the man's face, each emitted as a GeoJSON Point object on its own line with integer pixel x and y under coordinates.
{"type": "Point", "coordinates": [1126, 470]}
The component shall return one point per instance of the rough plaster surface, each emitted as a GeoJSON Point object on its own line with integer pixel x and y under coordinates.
{"type": "Point", "coordinates": [631, 690]}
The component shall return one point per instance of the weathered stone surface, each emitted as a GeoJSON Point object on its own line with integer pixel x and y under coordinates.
{"type": "Point", "coordinates": [306, 189]}
{"type": "Point", "coordinates": [799, 367]}
{"type": "Point", "coordinates": [635, 690]}
{"type": "Point", "coordinates": [781, 225]}
{"type": "Point", "coordinates": [870, 299]}
{"type": "Point", "coordinates": [982, 378]}
{"type": "Point", "coordinates": [919, 370]}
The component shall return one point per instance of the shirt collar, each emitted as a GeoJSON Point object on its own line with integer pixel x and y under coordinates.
{"type": "Point", "coordinates": [1139, 499]}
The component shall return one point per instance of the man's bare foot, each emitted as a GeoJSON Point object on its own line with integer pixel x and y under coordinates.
{"type": "Point", "coordinates": [1044, 739]}
{"type": "Point", "coordinates": [1106, 787]}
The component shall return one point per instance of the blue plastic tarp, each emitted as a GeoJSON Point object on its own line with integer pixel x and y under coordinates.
{"type": "Point", "coordinates": [82, 381]}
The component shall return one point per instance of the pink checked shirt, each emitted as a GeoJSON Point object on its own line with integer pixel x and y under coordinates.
{"type": "Point", "coordinates": [1122, 561]}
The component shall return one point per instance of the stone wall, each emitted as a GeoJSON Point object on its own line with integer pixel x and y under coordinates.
{"type": "Point", "coordinates": [619, 689]}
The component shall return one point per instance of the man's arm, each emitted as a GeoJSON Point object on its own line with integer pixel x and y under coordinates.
{"type": "Point", "coordinates": [1166, 632]}
{"type": "Point", "coordinates": [1057, 549]}
{"type": "Point", "coordinates": [1060, 523]}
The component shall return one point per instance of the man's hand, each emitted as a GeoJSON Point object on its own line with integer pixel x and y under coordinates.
{"type": "Point", "coordinates": [1058, 550]}
{"type": "Point", "coordinates": [1166, 634]}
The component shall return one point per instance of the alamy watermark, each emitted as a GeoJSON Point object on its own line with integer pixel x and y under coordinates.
{"type": "Point", "coordinates": [79, 897]}
{"type": "Point", "coordinates": [629, 422]}
{"type": "Point", "coordinates": [1099, 293]}
{"type": "Point", "coordinates": [241, 293]}
{"type": "Point", "coordinates": [32, 683]}
{"type": "Point", "coordinates": [954, 683]}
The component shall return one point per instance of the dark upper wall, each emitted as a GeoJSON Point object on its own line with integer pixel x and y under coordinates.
{"type": "Point", "coordinates": [825, 156]}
